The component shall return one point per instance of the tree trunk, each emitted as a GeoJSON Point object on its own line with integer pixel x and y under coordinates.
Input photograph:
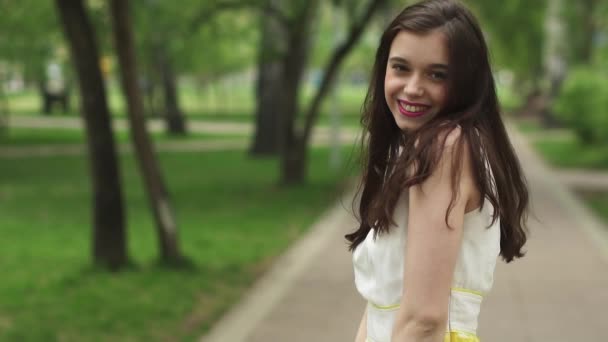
{"type": "Point", "coordinates": [555, 57]}
{"type": "Point", "coordinates": [333, 66]}
{"type": "Point", "coordinates": [269, 84]}
{"type": "Point", "coordinates": [266, 138]}
{"type": "Point", "coordinates": [109, 238]}
{"type": "Point", "coordinates": [300, 142]}
{"type": "Point", "coordinates": [175, 121]}
{"type": "Point", "coordinates": [588, 10]}
{"type": "Point", "coordinates": [294, 63]}
{"type": "Point", "coordinates": [148, 165]}
{"type": "Point", "coordinates": [4, 110]}
{"type": "Point", "coordinates": [149, 87]}
{"type": "Point", "coordinates": [295, 163]}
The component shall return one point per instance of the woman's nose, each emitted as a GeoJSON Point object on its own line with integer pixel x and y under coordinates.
{"type": "Point", "coordinates": [413, 87]}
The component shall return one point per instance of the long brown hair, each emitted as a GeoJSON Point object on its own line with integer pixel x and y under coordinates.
{"type": "Point", "coordinates": [472, 105]}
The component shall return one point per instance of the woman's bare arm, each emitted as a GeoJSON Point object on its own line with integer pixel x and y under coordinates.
{"type": "Point", "coordinates": [432, 249]}
{"type": "Point", "coordinates": [362, 332]}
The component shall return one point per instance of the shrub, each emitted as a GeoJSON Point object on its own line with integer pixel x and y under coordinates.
{"type": "Point", "coordinates": [582, 104]}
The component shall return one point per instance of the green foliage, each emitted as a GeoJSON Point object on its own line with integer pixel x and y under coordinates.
{"type": "Point", "coordinates": [583, 104]}
{"type": "Point", "coordinates": [29, 36]}
{"type": "Point", "coordinates": [570, 152]}
{"type": "Point", "coordinates": [234, 51]}
{"type": "Point", "coordinates": [223, 42]}
{"type": "Point", "coordinates": [332, 26]}
{"type": "Point", "coordinates": [601, 37]}
{"type": "Point", "coordinates": [515, 34]}
{"type": "Point", "coordinates": [587, 22]}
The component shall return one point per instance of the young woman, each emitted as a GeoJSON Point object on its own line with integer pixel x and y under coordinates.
{"type": "Point", "coordinates": [443, 193]}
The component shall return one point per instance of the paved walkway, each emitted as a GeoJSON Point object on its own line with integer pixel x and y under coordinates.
{"type": "Point", "coordinates": [322, 136]}
{"type": "Point", "coordinates": [557, 293]}
{"type": "Point", "coordinates": [156, 125]}
{"type": "Point", "coordinates": [163, 146]}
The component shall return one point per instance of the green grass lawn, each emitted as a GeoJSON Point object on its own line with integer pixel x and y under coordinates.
{"type": "Point", "coordinates": [598, 202]}
{"type": "Point", "coordinates": [562, 149]}
{"type": "Point", "coordinates": [565, 151]}
{"type": "Point", "coordinates": [233, 221]}
{"type": "Point", "coordinates": [528, 126]}
{"type": "Point", "coordinates": [217, 103]}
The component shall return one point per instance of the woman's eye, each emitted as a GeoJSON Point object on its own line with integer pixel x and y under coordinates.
{"type": "Point", "coordinates": [399, 67]}
{"type": "Point", "coordinates": [436, 75]}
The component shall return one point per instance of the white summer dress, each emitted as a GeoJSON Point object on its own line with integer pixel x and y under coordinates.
{"type": "Point", "coordinates": [379, 264]}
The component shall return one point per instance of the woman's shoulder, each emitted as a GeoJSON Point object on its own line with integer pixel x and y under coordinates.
{"type": "Point", "coordinates": [451, 135]}
{"type": "Point", "coordinates": [448, 138]}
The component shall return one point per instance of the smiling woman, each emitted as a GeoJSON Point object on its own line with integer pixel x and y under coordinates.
{"type": "Point", "coordinates": [442, 193]}
{"type": "Point", "coordinates": [416, 78]}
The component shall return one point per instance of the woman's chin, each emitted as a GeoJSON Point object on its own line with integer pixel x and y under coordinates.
{"type": "Point", "coordinates": [406, 124]}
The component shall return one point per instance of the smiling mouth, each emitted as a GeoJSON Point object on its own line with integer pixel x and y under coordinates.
{"type": "Point", "coordinates": [412, 110]}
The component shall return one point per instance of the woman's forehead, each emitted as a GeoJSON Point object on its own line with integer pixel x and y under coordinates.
{"type": "Point", "coordinates": [420, 49]}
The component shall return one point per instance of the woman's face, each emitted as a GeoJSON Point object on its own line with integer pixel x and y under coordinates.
{"type": "Point", "coordinates": [415, 85]}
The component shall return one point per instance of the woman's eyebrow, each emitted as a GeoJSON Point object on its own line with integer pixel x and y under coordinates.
{"type": "Point", "coordinates": [438, 66]}
{"type": "Point", "coordinates": [397, 59]}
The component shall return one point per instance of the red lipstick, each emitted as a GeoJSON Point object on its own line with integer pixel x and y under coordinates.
{"type": "Point", "coordinates": [402, 103]}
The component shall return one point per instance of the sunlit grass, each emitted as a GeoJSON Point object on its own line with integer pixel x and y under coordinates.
{"type": "Point", "coordinates": [568, 152]}
{"type": "Point", "coordinates": [529, 126]}
{"type": "Point", "coordinates": [223, 101]}
{"type": "Point", "coordinates": [233, 221]}
{"type": "Point", "coordinates": [598, 202]}
{"type": "Point", "coordinates": [565, 151]}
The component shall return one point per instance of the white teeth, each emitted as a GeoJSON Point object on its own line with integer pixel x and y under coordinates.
{"type": "Point", "coordinates": [413, 109]}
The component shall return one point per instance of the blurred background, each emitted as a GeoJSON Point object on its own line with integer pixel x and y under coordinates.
{"type": "Point", "coordinates": [157, 156]}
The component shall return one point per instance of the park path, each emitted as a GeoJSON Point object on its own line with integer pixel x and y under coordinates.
{"type": "Point", "coordinates": [557, 293]}
{"type": "Point", "coordinates": [578, 179]}
{"type": "Point", "coordinates": [322, 136]}
{"type": "Point", "coordinates": [156, 125]}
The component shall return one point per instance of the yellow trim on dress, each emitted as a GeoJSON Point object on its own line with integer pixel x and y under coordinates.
{"type": "Point", "coordinates": [460, 336]}
{"type": "Point", "coordinates": [453, 336]}
{"type": "Point", "coordinates": [385, 307]}
{"type": "Point", "coordinates": [460, 289]}
{"type": "Point", "coordinates": [456, 289]}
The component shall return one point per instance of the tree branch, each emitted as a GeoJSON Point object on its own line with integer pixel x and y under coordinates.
{"type": "Point", "coordinates": [332, 68]}
{"type": "Point", "coordinates": [206, 14]}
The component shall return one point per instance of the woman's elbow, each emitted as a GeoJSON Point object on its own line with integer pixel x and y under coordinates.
{"type": "Point", "coordinates": [419, 326]}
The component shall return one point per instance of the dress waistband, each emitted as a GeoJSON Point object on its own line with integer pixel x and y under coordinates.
{"type": "Point", "coordinates": [464, 306]}
{"type": "Point", "coordinates": [453, 336]}
{"type": "Point", "coordinates": [464, 310]}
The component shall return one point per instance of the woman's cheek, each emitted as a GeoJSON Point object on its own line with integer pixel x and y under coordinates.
{"type": "Point", "coordinates": [392, 85]}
